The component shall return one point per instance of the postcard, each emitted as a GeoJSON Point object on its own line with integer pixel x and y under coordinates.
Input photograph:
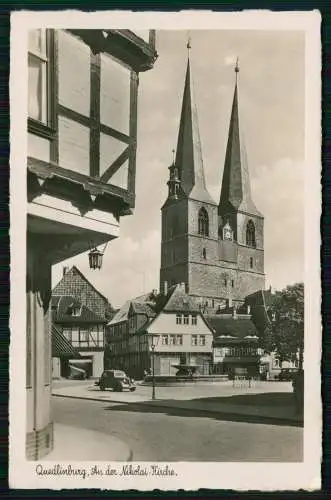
{"type": "Point", "coordinates": [165, 198]}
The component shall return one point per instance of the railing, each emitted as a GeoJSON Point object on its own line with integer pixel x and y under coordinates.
{"type": "Point", "coordinates": [244, 381]}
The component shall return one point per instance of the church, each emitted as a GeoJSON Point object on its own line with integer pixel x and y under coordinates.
{"type": "Point", "coordinates": [212, 262]}
{"type": "Point", "coordinates": [217, 250]}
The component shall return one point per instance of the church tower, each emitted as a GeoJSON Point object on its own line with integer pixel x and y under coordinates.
{"type": "Point", "coordinates": [241, 225]}
{"type": "Point", "coordinates": [189, 215]}
{"type": "Point", "coordinates": [216, 250]}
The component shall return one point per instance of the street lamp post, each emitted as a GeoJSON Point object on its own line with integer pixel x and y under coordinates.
{"type": "Point", "coordinates": [154, 342]}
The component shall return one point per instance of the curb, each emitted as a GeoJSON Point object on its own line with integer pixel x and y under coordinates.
{"type": "Point", "coordinates": [289, 421]}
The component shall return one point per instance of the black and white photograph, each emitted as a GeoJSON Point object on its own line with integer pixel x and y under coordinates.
{"type": "Point", "coordinates": [165, 303]}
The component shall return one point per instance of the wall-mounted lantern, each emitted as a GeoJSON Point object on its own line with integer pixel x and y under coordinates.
{"type": "Point", "coordinates": [95, 257]}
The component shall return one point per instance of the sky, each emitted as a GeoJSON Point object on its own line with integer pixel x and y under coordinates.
{"type": "Point", "coordinates": [271, 102]}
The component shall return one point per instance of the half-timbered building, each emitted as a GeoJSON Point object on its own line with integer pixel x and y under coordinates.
{"type": "Point", "coordinates": [82, 140]}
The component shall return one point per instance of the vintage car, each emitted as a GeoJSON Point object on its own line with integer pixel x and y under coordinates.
{"type": "Point", "coordinates": [116, 380]}
{"type": "Point", "coordinates": [287, 374]}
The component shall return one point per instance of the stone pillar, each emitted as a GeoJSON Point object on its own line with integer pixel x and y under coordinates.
{"type": "Point", "coordinates": [39, 439]}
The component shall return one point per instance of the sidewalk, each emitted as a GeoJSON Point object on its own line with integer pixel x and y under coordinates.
{"type": "Point", "coordinates": [73, 443]}
{"type": "Point", "coordinates": [259, 402]}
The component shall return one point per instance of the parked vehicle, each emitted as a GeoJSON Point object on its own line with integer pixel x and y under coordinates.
{"type": "Point", "coordinates": [116, 380]}
{"type": "Point", "coordinates": [77, 373]}
{"type": "Point", "coordinates": [287, 374]}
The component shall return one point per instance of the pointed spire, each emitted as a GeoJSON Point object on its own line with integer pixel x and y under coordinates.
{"type": "Point", "coordinates": [189, 155]}
{"type": "Point", "coordinates": [236, 188]}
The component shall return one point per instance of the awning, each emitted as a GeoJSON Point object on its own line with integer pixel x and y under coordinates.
{"type": "Point", "coordinates": [61, 347]}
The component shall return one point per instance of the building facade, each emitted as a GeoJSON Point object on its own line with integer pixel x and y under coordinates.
{"type": "Point", "coordinates": [82, 139]}
{"type": "Point", "coordinates": [180, 333]}
{"type": "Point", "coordinates": [217, 250]}
{"type": "Point", "coordinates": [84, 329]}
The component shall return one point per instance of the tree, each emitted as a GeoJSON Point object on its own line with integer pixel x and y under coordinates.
{"type": "Point", "coordinates": [284, 334]}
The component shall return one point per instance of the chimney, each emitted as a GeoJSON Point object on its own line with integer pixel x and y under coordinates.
{"type": "Point", "coordinates": [65, 270]}
{"type": "Point", "coordinates": [165, 288]}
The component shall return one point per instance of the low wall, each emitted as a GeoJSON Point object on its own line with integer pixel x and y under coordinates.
{"type": "Point", "coordinates": [163, 380]}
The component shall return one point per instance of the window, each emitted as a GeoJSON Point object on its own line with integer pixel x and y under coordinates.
{"type": "Point", "coordinates": [172, 339]}
{"type": "Point", "coordinates": [232, 283]}
{"type": "Point", "coordinates": [204, 253]}
{"type": "Point", "coordinates": [37, 78]}
{"type": "Point", "coordinates": [194, 340]}
{"type": "Point", "coordinates": [250, 234]}
{"type": "Point", "coordinates": [84, 337]}
{"type": "Point", "coordinates": [202, 340]}
{"type": "Point", "coordinates": [165, 340]}
{"type": "Point", "coordinates": [67, 333]}
{"type": "Point", "coordinates": [225, 282]}
{"type": "Point", "coordinates": [251, 262]}
{"type": "Point", "coordinates": [75, 336]}
{"type": "Point", "coordinates": [194, 319]}
{"type": "Point", "coordinates": [186, 319]}
{"type": "Point", "coordinates": [276, 363]}
{"type": "Point", "coordinates": [179, 339]}
{"type": "Point", "coordinates": [203, 222]}
{"type": "Point", "coordinates": [76, 311]}
{"type": "Point", "coordinates": [178, 319]}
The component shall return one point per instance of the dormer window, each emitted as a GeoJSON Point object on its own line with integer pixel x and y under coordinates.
{"type": "Point", "coordinates": [74, 311]}
{"type": "Point", "coordinates": [227, 232]}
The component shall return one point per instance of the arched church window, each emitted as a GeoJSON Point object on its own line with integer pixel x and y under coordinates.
{"type": "Point", "coordinates": [250, 234]}
{"type": "Point", "coordinates": [227, 232]}
{"type": "Point", "coordinates": [251, 262]}
{"type": "Point", "coordinates": [204, 253]}
{"type": "Point", "coordinates": [203, 222]}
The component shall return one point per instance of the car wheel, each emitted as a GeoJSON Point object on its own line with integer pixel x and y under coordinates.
{"type": "Point", "coordinates": [132, 389]}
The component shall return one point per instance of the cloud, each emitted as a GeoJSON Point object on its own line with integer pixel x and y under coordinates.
{"type": "Point", "coordinates": [130, 267]}
{"type": "Point", "coordinates": [283, 210]}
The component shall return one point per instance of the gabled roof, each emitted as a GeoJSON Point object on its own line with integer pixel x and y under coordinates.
{"type": "Point", "coordinates": [138, 302]}
{"type": "Point", "coordinates": [235, 328]}
{"type": "Point", "coordinates": [189, 153]}
{"type": "Point", "coordinates": [146, 308]}
{"type": "Point", "coordinates": [62, 305]}
{"type": "Point", "coordinates": [121, 315]}
{"type": "Point", "coordinates": [179, 301]}
{"type": "Point", "coordinates": [61, 346]}
{"type": "Point", "coordinates": [75, 269]}
{"type": "Point", "coordinates": [236, 188]}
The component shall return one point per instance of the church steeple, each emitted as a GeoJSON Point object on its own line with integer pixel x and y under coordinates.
{"type": "Point", "coordinates": [236, 188]}
{"type": "Point", "coordinates": [189, 154]}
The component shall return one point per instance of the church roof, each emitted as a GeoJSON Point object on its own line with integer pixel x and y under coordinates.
{"type": "Point", "coordinates": [189, 153]}
{"type": "Point", "coordinates": [236, 188]}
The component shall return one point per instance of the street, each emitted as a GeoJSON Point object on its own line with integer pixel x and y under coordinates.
{"type": "Point", "coordinates": [163, 434]}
